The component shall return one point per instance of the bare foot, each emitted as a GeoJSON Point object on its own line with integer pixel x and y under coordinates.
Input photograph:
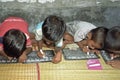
{"type": "Point", "coordinates": [57, 58]}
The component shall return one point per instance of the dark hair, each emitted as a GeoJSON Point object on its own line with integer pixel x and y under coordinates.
{"type": "Point", "coordinates": [99, 35]}
{"type": "Point", "coordinates": [112, 41]}
{"type": "Point", "coordinates": [53, 28]}
{"type": "Point", "coordinates": [14, 42]}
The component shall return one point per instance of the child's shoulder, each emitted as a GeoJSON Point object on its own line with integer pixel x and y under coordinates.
{"type": "Point", "coordinates": [80, 23]}
{"type": "Point", "coordinates": [39, 25]}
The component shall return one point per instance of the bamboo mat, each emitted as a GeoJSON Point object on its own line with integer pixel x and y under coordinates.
{"type": "Point", "coordinates": [65, 70]}
{"type": "Point", "coordinates": [18, 72]}
{"type": "Point", "coordinates": [77, 70]}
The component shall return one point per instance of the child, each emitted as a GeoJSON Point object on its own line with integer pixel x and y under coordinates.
{"type": "Point", "coordinates": [50, 33]}
{"type": "Point", "coordinates": [15, 41]}
{"type": "Point", "coordinates": [112, 45]}
{"type": "Point", "coordinates": [86, 35]}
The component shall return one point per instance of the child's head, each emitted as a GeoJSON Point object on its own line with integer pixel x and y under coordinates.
{"type": "Point", "coordinates": [53, 29]}
{"type": "Point", "coordinates": [14, 42]}
{"type": "Point", "coordinates": [112, 41]}
{"type": "Point", "coordinates": [96, 38]}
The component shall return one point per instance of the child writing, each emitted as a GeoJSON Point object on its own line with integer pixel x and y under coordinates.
{"type": "Point", "coordinates": [86, 35]}
{"type": "Point", "coordinates": [14, 39]}
{"type": "Point", "coordinates": [112, 45]}
{"type": "Point", "coordinates": [50, 34]}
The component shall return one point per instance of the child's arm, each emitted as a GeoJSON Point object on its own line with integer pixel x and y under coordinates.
{"type": "Point", "coordinates": [23, 57]}
{"type": "Point", "coordinates": [58, 56]}
{"type": "Point", "coordinates": [32, 35]}
{"type": "Point", "coordinates": [40, 52]}
{"type": "Point", "coordinates": [34, 42]}
{"type": "Point", "coordinates": [2, 53]}
{"type": "Point", "coordinates": [114, 63]}
{"type": "Point", "coordinates": [83, 45]}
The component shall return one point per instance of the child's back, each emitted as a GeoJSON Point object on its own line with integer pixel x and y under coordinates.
{"type": "Point", "coordinates": [79, 29]}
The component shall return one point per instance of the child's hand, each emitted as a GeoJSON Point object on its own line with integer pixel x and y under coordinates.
{"type": "Point", "coordinates": [34, 47]}
{"type": "Point", "coordinates": [22, 58]}
{"type": "Point", "coordinates": [95, 51]}
{"type": "Point", "coordinates": [114, 63]}
{"type": "Point", "coordinates": [58, 57]}
{"type": "Point", "coordinates": [85, 49]}
{"type": "Point", "coordinates": [41, 54]}
{"type": "Point", "coordinates": [9, 58]}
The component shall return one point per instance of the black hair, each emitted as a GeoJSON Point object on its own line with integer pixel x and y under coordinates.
{"type": "Point", "coordinates": [99, 35]}
{"type": "Point", "coordinates": [53, 28]}
{"type": "Point", "coordinates": [112, 41]}
{"type": "Point", "coordinates": [14, 42]}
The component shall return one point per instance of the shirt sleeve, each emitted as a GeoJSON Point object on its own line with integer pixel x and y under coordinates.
{"type": "Point", "coordinates": [38, 31]}
{"type": "Point", "coordinates": [59, 43]}
{"type": "Point", "coordinates": [28, 43]}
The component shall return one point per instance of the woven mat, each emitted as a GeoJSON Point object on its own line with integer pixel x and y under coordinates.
{"type": "Point", "coordinates": [18, 72]}
{"type": "Point", "coordinates": [65, 70]}
{"type": "Point", "coordinates": [77, 70]}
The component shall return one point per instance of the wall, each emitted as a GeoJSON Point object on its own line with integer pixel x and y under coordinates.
{"type": "Point", "coordinates": [99, 12]}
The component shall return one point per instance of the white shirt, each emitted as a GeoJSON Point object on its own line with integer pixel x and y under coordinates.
{"type": "Point", "coordinates": [79, 29]}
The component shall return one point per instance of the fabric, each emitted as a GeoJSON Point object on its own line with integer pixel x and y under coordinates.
{"type": "Point", "coordinates": [14, 23]}
{"type": "Point", "coordinates": [94, 64]}
{"type": "Point", "coordinates": [0, 39]}
{"type": "Point", "coordinates": [38, 34]}
{"type": "Point", "coordinates": [38, 31]}
{"type": "Point", "coordinates": [79, 29]}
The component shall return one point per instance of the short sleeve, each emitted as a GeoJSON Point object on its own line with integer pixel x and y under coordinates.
{"type": "Point", "coordinates": [59, 43]}
{"type": "Point", "coordinates": [28, 43]}
{"type": "Point", "coordinates": [38, 31]}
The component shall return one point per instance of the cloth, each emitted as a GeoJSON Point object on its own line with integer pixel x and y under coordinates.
{"type": "Point", "coordinates": [94, 64]}
{"type": "Point", "coordinates": [79, 29]}
{"type": "Point", "coordinates": [14, 23]}
{"type": "Point", "coordinates": [0, 39]}
{"type": "Point", "coordinates": [38, 35]}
